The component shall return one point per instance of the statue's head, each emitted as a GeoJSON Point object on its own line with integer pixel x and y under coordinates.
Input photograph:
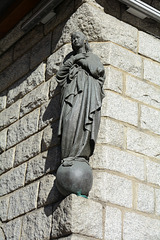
{"type": "Point", "coordinates": [79, 40]}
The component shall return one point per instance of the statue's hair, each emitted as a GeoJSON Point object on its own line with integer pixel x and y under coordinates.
{"type": "Point", "coordinates": [87, 47]}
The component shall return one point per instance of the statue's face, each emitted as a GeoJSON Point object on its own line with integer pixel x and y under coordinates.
{"type": "Point", "coordinates": [77, 40]}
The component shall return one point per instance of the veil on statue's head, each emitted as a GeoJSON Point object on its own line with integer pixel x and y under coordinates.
{"type": "Point", "coordinates": [87, 47]}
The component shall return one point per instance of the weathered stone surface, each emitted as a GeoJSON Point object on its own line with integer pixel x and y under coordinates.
{"type": "Point", "coordinates": [28, 40]}
{"type": "Point", "coordinates": [157, 191]}
{"type": "Point", "coordinates": [12, 229]}
{"type": "Point", "coordinates": [152, 71]}
{"type": "Point", "coordinates": [40, 51]}
{"type": "Point", "coordinates": [12, 180]}
{"type": "Point", "coordinates": [28, 148]}
{"type": "Point", "coordinates": [43, 163]}
{"type": "Point", "coordinates": [113, 159]}
{"type": "Point", "coordinates": [153, 172]}
{"type": "Point", "coordinates": [50, 136]}
{"type": "Point", "coordinates": [77, 237]}
{"type": "Point", "coordinates": [49, 111]}
{"type": "Point", "coordinates": [54, 88]}
{"type": "Point", "coordinates": [4, 203]}
{"type": "Point", "coordinates": [37, 225]}
{"type": "Point", "coordinates": [88, 19]}
{"type": "Point", "coordinates": [6, 160]}
{"type": "Point", "coordinates": [142, 91]}
{"type": "Point", "coordinates": [23, 200]}
{"type": "Point", "coordinates": [26, 84]}
{"type": "Point", "coordinates": [9, 115]}
{"type": "Point", "coordinates": [48, 192]}
{"type": "Point", "coordinates": [112, 188]}
{"type": "Point", "coordinates": [148, 116]}
{"type": "Point", "coordinates": [138, 227]}
{"type": "Point", "coordinates": [114, 79]}
{"type": "Point", "coordinates": [54, 61]}
{"type": "Point", "coordinates": [14, 71]}
{"type": "Point", "coordinates": [149, 46]}
{"type": "Point", "coordinates": [114, 132]}
{"type": "Point", "coordinates": [145, 198]}
{"type": "Point", "coordinates": [34, 99]}
{"type": "Point", "coordinates": [77, 215]}
{"type": "Point", "coordinates": [113, 224]}
{"type": "Point", "coordinates": [118, 57]}
{"type": "Point", "coordinates": [3, 139]}
{"type": "Point", "coordinates": [2, 235]}
{"type": "Point", "coordinates": [6, 59]}
{"type": "Point", "coordinates": [120, 108]}
{"type": "Point", "coordinates": [22, 129]}
{"type": "Point", "coordinates": [2, 100]}
{"type": "Point", "coordinates": [143, 143]}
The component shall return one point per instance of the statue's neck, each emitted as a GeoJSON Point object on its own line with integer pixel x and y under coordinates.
{"type": "Point", "coordinates": [81, 50]}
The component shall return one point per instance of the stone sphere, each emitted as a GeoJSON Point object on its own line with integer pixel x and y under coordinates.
{"type": "Point", "coordinates": [76, 179]}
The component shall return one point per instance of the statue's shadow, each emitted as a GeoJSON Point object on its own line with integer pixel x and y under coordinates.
{"type": "Point", "coordinates": [52, 145]}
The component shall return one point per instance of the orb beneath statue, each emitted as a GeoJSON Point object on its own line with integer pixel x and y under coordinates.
{"type": "Point", "coordinates": [74, 178]}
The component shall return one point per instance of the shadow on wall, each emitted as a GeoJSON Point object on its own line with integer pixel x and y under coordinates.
{"type": "Point", "coordinates": [53, 158]}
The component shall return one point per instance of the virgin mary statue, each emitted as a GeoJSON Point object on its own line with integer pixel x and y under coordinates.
{"type": "Point", "coordinates": [81, 77]}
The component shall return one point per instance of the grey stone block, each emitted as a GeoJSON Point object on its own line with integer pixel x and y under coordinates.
{"type": "Point", "coordinates": [4, 203]}
{"type": "Point", "coordinates": [3, 139]}
{"type": "Point", "coordinates": [6, 160]}
{"type": "Point", "coordinates": [12, 229]}
{"type": "Point", "coordinates": [28, 148]}
{"type": "Point", "coordinates": [12, 180]}
{"type": "Point", "coordinates": [23, 200]}
{"type": "Point", "coordinates": [23, 128]}
{"type": "Point", "coordinates": [37, 225]}
{"type": "Point", "coordinates": [145, 198]}
{"type": "Point", "coordinates": [77, 215]}
{"type": "Point", "coordinates": [26, 84]}
{"type": "Point", "coordinates": [152, 71]}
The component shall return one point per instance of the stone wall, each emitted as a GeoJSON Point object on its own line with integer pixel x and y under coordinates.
{"type": "Point", "coordinates": [124, 202]}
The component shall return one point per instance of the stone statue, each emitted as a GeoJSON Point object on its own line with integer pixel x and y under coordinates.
{"type": "Point", "coordinates": [81, 77]}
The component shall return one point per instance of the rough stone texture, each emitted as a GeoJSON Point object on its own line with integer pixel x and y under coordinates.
{"type": "Point", "coordinates": [119, 57]}
{"type": "Point", "coordinates": [28, 40]}
{"type": "Point", "coordinates": [12, 229]}
{"type": "Point", "coordinates": [23, 200]}
{"type": "Point", "coordinates": [112, 188]}
{"type": "Point", "coordinates": [3, 139]}
{"type": "Point", "coordinates": [2, 100]}
{"type": "Point", "coordinates": [114, 79]}
{"type": "Point", "coordinates": [138, 227]}
{"type": "Point", "coordinates": [113, 224]}
{"type": "Point", "coordinates": [148, 116]}
{"type": "Point", "coordinates": [149, 46]}
{"type": "Point", "coordinates": [113, 159]}
{"type": "Point", "coordinates": [77, 237]}
{"type": "Point", "coordinates": [54, 60]}
{"type": "Point", "coordinates": [157, 191]}
{"type": "Point", "coordinates": [9, 115]}
{"type": "Point", "coordinates": [145, 199]}
{"type": "Point", "coordinates": [22, 129]}
{"type": "Point", "coordinates": [50, 136]}
{"type": "Point", "coordinates": [6, 160]}
{"type": "Point", "coordinates": [153, 172]}
{"type": "Point", "coordinates": [34, 99]}
{"type": "Point", "coordinates": [114, 132]}
{"type": "Point", "coordinates": [77, 215]}
{"type": "Point", "coordinates": [142, 91]}
{"type": "Point", "coordinates": [48, 192]}
{"type": "Point", "coordinates": [37, 225]}
{"type": "Point", "coordinates": [120, 108]}
{"type": "Point", "coordinates": [2, 235]}
{"type": "Point", "coordinates": [4, 203]}
{"type": "Point", "coordinates": [88, 18]}
{"type": "Point", "coordinates": [54, 88]}
{"type": "Point", "coordinates": [43, 163]}
{"type": "Point", "coordinates": [6, 59]}
{"type": "Point", "coordinates": [28, 148]}
{"type": "Point", "coordinates": [143, 143]}
{"type": "Point", "coordinates": [49, 111]}
{"type": "Point", "coordinates": [15, 71]}
{"type": "Point", "coordinates": [12, 180]}
{"type": "Point", "coordinates": [40, 51]}
{"type": "Point", "coordinates": [152, 71]}
{"type": "Point", "coordinates": [26, 84]}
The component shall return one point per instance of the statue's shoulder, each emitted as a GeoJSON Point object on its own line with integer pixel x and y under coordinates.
{"type": "Point", "coordinates": [69, 55]}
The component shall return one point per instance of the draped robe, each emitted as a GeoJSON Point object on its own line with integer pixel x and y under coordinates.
{"type": "Point", "coordinates": [81, 99]}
